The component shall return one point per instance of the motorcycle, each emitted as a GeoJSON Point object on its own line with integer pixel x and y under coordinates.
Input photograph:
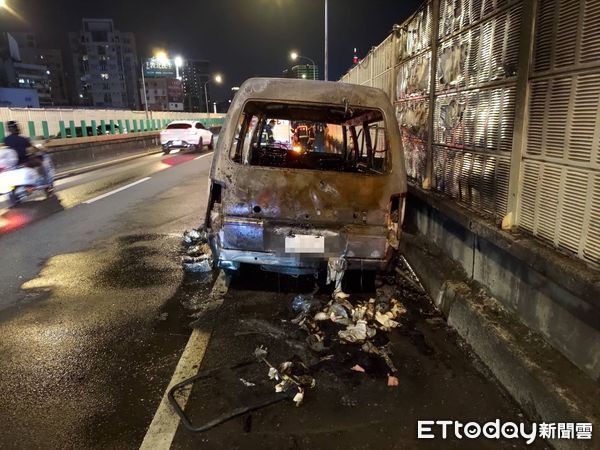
{"type": "Point", "coordinates": [19, 181]}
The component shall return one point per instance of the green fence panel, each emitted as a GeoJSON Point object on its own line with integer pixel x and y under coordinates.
{"type": "Point", "coordinates": [63, 131]}
{"type": "Point", "coordinates": [112, 127]}
{"type": "Point", "coordinates": [45, 131]}
{"type": "Point", "coordinates": [84, 132]}
{"type": "Point", "coordinates": [120, 123]}
{"type": "Point", "coordinates": [72, 129]}
{"type": "Point", "coordinates": [103, 126]}
{"type": "Point", "coordinates": [135, 126]}
{"type": "Point", "coordinates": [31, 126]}
{"type": "Point", "coordinates": [94, 126]}
{"type": "Point", "coordinates": [127, 125]}
{"type": "Point", "coordinates": [142, 126]}
{"type": "Point", "coordinates": [147, 124]}
{"type": "Point", "coordinates": [2, 134]}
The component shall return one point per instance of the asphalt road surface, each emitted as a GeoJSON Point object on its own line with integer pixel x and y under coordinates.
{"type": "Point", "coordinates": [97, 318]}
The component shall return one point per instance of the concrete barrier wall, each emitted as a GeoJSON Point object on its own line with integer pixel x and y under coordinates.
{"type": "Point", "coordinates": [46, 122]}
{"type": "Point", "coordinates": [554, 295]}
{"type": "Point", "coordinates": [88, 152]}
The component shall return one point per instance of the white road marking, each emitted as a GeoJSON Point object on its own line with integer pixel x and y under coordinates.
{"type": "Point", "coordinates": [122, 188]}
{"type": "Point", "coordinates": [202, 156]}
{"type": "Point", "coordinates": [164, 425]}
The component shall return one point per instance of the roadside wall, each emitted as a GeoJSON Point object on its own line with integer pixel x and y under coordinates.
{"type": "Point", "coordinates": [47, 122]}
{"type": "Point", "coordinates": [85, 152]}
{"type": "Point", "coordinates": [555, 295]}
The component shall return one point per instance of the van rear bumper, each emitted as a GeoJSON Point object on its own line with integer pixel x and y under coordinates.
{"type": "Point", "coordinates": [252, 241]}
{"type": "Point", "coordinates": [231, 259]}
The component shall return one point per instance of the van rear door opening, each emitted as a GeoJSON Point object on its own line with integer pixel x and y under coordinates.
{"type": "Point", "coordinates": [338, 138]}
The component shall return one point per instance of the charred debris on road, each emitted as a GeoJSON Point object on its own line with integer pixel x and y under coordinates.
{"type": "Point", "coordinates": [338, 329]}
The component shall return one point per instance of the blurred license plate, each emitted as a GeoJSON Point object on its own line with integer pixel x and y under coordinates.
{"type": "Point", "coordinates": [176, 142]}
{"type": "Point", "coordinates": [305, 243]}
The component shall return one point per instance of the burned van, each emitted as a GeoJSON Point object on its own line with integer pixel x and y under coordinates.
{"type": "Point", "coordinates": [305, 171]}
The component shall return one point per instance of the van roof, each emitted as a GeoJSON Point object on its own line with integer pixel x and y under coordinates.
{"type": "Point", "coordinates": [331, 92]}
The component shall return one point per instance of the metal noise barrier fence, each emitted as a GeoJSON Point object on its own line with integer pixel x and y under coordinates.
{"type": "Point", "coordinates": [45, 123]}
{"type": "Point", "coordinates": [499, 103]}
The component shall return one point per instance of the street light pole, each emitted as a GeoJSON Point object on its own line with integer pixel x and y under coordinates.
{"type": "Point", "coordinates": [144, 87]}
{"type": "Point", "coordinates": [326, 41]}
{"type": "Point", "coordinates": [206, 96]}
{"type": "Point", "coordinates": [218, 79]}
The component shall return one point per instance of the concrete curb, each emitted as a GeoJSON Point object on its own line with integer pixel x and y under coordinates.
{"type": "Point", "coordinates": [102, 165]}
{"type": "Point", "coordinates": [547, 386]}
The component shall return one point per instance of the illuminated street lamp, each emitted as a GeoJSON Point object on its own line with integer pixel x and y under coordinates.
{"type": "Point", "coordinates": [218, 78]}
{"type": "Point", "coordinates": [162, 57]}
{"type": "Point", "coordinates": [295, 56]}
{"type": "Point", "coordinates": [178, 63]}
{"type": "Point", "coordinates": [3, 4]}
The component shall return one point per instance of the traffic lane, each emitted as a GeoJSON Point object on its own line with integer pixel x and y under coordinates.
{"type": "Point", "coordinates": [84, 363]}
{"type": "Point", "coordinates": [74, 190]}
{"type": "Point", "coordinates": [439, 379]}
{"type": "Point", "coordinates": [74, 229]}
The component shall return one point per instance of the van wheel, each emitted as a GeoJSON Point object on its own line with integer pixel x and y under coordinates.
{"type": "Point", "coordinates": [211, 145]}
{"type": "Point", "coordinates": [166, 150]}
{"type": "Point", "coordinates": [199, 146]}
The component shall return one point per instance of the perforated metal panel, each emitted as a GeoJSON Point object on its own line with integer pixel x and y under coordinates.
{"type": "Point", "coordinates": [472, 178]}
{"type": "Point", "coordinates": [474, 110]}
{"type": "Point", "coordinates": [560, 199]}
{"type": "Point", "coordinates": [412, 117]}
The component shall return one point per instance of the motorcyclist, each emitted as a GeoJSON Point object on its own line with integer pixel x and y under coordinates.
{"type": "Point", "coordinates": [21, 145]}
{"type": "Point", "coordinates": [18, 143]}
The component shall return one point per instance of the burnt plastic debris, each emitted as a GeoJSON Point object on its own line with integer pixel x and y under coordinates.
{"type": "Point", "coordinates": [197, 250]}
{"type": "Point", "coordinates": [195, 236]}
{"type": "Point", "coordinates": [336, 268]}
{"type": "Point", "coordinates": [198, 255]}
{"type": "Point", "coordinates": [292, 376]}
{"type": "Point", "coordinates": [363, 325]}
{"type": "Point", "coordinates": [199, 264]}
{"type": "Point", "coordinates": [305, 303]}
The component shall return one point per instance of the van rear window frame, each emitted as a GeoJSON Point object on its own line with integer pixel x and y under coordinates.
{"type": "Point", "coordinates": [236, 142]}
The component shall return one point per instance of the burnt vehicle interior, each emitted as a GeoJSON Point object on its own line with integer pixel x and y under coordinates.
{"type": "Point", "coordinates": [338, 138]}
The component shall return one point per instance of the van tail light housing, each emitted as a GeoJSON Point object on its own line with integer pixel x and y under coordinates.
{"type": "Point", "coordinates": [395, 218]}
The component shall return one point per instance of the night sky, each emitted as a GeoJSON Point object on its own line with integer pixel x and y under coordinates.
{"type": "Point", "coordinates": [241, 38]}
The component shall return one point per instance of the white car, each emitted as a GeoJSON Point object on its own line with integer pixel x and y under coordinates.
{"type": "Point", "coordinates": [185, 134]}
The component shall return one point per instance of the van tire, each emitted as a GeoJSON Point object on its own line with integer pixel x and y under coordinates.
{"type": "Point", "coordinates": [211, 146]}
{"type": "Point", "coordinates": [199, 147]}
{"type": "Point", "coordinates": [166, 151]}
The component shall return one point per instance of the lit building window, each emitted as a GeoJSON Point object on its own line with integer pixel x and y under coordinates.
{"type": "Point", "coordinates": [104, 76]}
